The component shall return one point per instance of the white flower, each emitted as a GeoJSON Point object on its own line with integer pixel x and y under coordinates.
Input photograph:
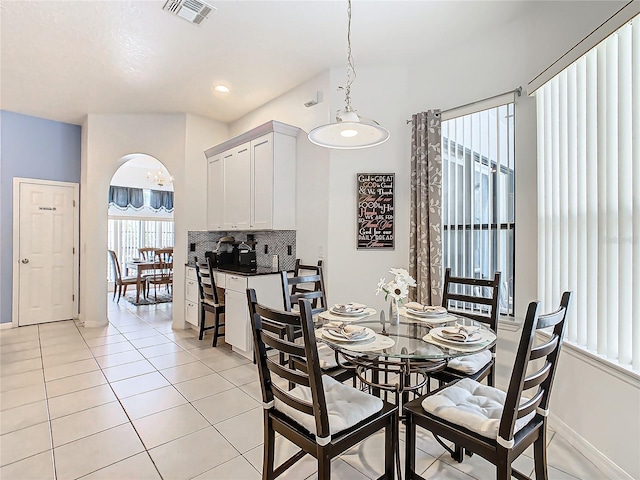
{"type": "Point", "coordinates": [398, 288]}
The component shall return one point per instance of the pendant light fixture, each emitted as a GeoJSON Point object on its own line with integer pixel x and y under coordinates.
{"type": "Point", "coordinates": [349, 130]}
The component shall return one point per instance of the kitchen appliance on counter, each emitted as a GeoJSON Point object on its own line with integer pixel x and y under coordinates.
{"type": "Point", "coordinates": [224, 253]}
{"type": "Point", "coordinates": [246, 256]}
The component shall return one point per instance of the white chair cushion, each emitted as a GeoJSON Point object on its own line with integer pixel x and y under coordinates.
{"type": "Point", "coordinates": [346, 406]}
{"type": "Point", "coordinates": [211, 302]}
{"type": "Point", "coordinates": [327, 357]}
{"type": "Point", "coordinates": [472, 405]}
{"type": "Point", "coordinates": [470, 364]}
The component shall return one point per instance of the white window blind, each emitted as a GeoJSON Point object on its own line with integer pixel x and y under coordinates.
{"type": "Point", "coordinates": [589, 195]}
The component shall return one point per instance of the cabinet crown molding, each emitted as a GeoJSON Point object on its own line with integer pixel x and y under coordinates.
{"type": "Point", "coordinates": [271, 126]}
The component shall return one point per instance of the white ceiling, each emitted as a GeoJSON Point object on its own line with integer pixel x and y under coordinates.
{"type": "Point", "coordinates": [63, 59]}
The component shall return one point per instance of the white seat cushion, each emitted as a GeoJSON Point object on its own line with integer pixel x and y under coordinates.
{"type": "Point", "coordinates": [211, 302]}
{"type": "Point", "coordinates": [346, 406]}
{"type": "Point", "coordinates": [472, 405]}
{"type": "Point", "coordinates": [470, 364]}
{"type": "Point", "coordinates": [327, 357]}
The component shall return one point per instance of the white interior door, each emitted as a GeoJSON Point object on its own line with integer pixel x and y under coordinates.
{"type": "Point", "coordinates": [46, 253]}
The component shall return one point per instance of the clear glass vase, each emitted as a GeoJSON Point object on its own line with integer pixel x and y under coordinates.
{"type": "Point", "coordinates": [394, 312]}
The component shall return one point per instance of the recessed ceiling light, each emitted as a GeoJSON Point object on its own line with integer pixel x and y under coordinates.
{"type": "Point", "coordinates": [221, 88]}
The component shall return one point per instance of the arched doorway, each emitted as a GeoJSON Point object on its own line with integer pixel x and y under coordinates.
{"type": "Point", "coordinates": [140, 232]}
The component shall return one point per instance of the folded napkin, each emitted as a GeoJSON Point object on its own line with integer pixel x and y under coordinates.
{"type": "Point", "coordinates": [349, 307]}
{"type": "Point", "coordinates": [348, 332]}
{"type": "Point", "coordinates": [461, 333]}
{"type": "Point", "coordinates": [418, 307]}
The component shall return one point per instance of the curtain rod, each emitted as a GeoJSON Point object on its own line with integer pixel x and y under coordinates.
{"type": "Point", "coordinates": [517, 91]}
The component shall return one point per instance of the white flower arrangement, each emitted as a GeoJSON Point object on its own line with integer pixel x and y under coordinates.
{"type": "Point", "coordinates": [398, 288]}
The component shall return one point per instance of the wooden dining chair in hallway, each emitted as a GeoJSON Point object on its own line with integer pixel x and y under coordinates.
{"type": "Point", "coordinates": [209, 299]}
{"type": "Point", "coordinates": [148, 254]}
{"type": "Point", "coordinates": [498, 426]}
{"type": "Point", "coordinates": [163, 271]}
{"type": "Point", "coordinates": [320, 415]}
{"type": "Point", "coordinates": [120, 283]}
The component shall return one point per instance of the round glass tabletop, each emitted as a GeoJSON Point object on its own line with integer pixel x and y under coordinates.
{"type": "Point", "coordinates": [410, 339]}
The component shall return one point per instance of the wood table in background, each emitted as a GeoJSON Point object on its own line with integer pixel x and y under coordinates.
{"type": "Point", "coordinates": [140, 267]}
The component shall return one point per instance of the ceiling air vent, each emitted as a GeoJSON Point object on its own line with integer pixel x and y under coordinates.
{"type": "Point", "coordinates": [192, 10]}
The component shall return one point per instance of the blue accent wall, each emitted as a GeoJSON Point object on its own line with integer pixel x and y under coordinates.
{"type": "Point", "coordinates": [30, 147]}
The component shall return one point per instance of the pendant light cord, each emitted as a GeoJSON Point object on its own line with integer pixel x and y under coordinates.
{"type": "Point", "coordinates": [351, 71]}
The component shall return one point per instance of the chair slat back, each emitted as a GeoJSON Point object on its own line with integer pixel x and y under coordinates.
{"type": "Point", "coordinates": [542, 379]}
{"type": "Point", "coordinates": [309, 287]}
{"type": "Point", "coordinates": [164, 255]}
{"type": "Point", "coordinates": [147, 253]}
{"type": "Point", "coordinates": [301, 270]}
{"type": "Point", "coordinates": [475, 298]}
{"type": "Point", "coordinates": [117, 275]}
{"type": "Point", "coordinates": [298, 354]}
{"type": "Point", "coordinates": [210, 258]}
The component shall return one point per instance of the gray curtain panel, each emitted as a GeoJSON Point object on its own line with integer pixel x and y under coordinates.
{"type": "Point", "coordinates": [160, 199]}
{"type": "Point", "coordinates": [125, 197]}
{"type": "Point", "coordinates": [425, 249]}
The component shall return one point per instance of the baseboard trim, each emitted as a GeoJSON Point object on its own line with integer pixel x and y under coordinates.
{"type": "Point", "coordinates": [601, 461]}
{"type": "Point", "coordinates": [6, 325]}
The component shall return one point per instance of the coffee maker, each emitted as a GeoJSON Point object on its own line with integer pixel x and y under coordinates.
{"type": "Point", "coordinates": [224, 254]}
{"type": "Point", "coordinates": [246, 256]}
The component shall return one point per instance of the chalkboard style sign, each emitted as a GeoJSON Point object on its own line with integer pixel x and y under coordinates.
{"type": "Point", "coordinates": [375, 210]}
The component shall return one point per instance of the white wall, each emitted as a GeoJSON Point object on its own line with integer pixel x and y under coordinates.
{"type": "Point", "coordinates": [106, 140]}
{"type": "Point", "coordinates": [201, 133]}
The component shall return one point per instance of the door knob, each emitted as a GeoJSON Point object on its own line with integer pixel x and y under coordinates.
{"type": "Point", "coordinates": [25, 260]}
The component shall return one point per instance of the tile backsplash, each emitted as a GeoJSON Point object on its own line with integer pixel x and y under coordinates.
{"type": "Point", "coordinates": [278, 242]}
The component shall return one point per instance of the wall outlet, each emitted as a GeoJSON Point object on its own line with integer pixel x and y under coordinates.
{"type": "Point", "coordinates": [289, 249]}
{"type": "Point", "coordinates": [266, 249]}
{"type": "Point", "coordinates": [192, 247]}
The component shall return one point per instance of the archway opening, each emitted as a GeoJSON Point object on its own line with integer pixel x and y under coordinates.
{"type": "Point", "coordinates": [140, 232]}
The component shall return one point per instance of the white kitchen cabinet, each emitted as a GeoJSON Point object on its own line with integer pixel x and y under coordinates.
{"type": "Point", "coordinates": [258, 173]}
{"type": "Point", "coordinates": [191, 297]}
{"type": "Point", "coordinates": [236, 172]}
{"type": "Point", "coordinates": [238, 332]}
{"type": "Point", "coordinates": [215, 193]}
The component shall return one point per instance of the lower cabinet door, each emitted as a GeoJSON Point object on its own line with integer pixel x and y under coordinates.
{"type": "Point", "coordinates": [191, 313]}
{"type": "Point", "coordinates": [236, 320]}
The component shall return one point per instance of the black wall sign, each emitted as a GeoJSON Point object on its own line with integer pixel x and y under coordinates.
{"type": "Point", "coordinates": [375, 210]}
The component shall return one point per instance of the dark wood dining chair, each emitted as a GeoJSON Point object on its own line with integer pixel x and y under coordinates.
{"type": "Point", "coordinates": [209, 300]}
{"type": "Point", "coordinates": [320, 415]}
{"type": "Point", "coordinates": [486, 421]}
{"type": "Point", "coordinates": [309, 287]}
{"type": "Point", "coordinates": [312, 287]}
{"type": "Point", "coordinates": [163, 271]}
{"type": "Point", "coordinates": [474, 298]}
{"type": "Point", "coordinates": [301, 270]}
{"type": "Point", "coordinates": [120, 283]}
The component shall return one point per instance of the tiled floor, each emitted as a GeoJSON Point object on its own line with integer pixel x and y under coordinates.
{"type": "Point", "coordinates": [137, 400]}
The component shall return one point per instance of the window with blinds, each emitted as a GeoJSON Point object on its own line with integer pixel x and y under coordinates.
{"type": "Point", "coordinates": [478, 209]}
{"type": "Point", "coordinates": [589, 195]}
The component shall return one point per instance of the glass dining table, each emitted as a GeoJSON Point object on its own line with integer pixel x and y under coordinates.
{"type": "Point", "coordinates": [392, 354]}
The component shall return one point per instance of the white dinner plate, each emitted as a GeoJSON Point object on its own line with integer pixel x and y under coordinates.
{"type": "Point", "coordinates": [337, 338]}
{"type": "Point", "coordinates": [356, 313]}
{"type": "Point", "coordinates": [427, 314]}
{"type": "Point", "coordinates": [432, 320]}
{"type": "Point", "coordinates": [437, 332]}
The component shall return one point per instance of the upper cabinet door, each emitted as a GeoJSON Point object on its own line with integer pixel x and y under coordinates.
{"type": "Point", "coordinates": [215, 193]}
{"type": "Point", "coordinates": [262, 182]}
{"type": "Point", "coordinates": [237, 188]}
